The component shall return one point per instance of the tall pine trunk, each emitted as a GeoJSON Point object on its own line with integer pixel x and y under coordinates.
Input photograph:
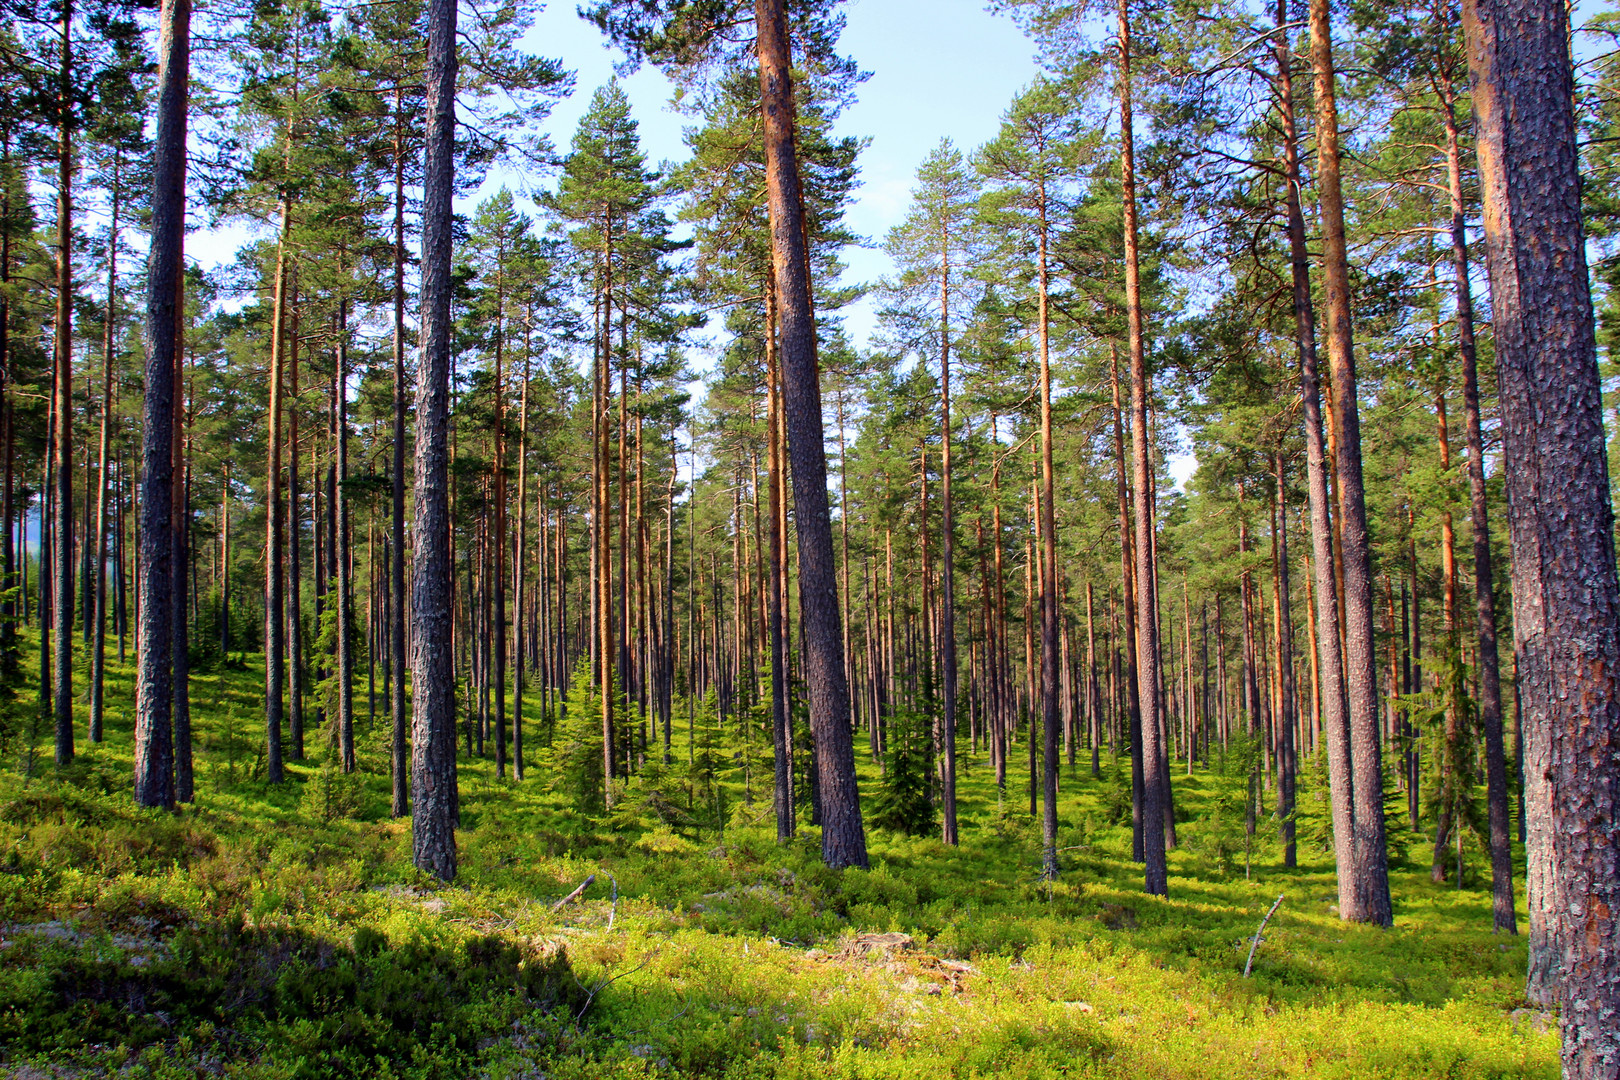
{"type": "Point", "coordinates": [343, 569]}
{"type": "Point", "coordinates": [1328, 654]}
{"type": "Point", "coordinates": [62, 389]}
{"type": "Point", "coordinates": [947, 554]}
{"type": "Point", "coordinates": [1288, 710]}
{"type": "Point", "coordinates": [180, 516]}
{"type": "Point", "coordinates": [295, 547]}
{"type": "Point", "coordinates": [1490, 677]}
{"type": "Point", "coordinates": [1154, 795]}
{"type": "Point", "coordinates": [395, 676]}
{"type": "Point", "coordinates": [1369, 895]}
{"type": "Point", "coordinates": [98, 655]}
{"type": "Point", "coordinates": [775, 618]}
{"type": "Point", "coordinates": [433, 687]}
{"type": "Point", "coordinates": [1048, 574]}
{"type": "Point", "coordinates": [1566, 596]}
{"type": "Point", "coordinates": [154, 776]}
{"type": "Point", "coordinates": [274, 621]}
{"type": "Point", "coordinates": [843, 838]}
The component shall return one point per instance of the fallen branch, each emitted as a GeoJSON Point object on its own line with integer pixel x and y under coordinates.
{"type": "Point", "coordinates": [575, 895]}
{"type": "Point", "coordinates": [1255, 944]}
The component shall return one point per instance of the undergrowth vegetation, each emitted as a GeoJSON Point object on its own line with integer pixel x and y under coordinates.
{"type": "Point", "coordinates": [281, 932]}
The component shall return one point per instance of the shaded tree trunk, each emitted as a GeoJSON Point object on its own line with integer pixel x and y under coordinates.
{"type": "Point", "coordinates": [1287, 711]}
{"type": "Point", "coordinates": [98, 655]}
{"type": "Point", "coordinates": [62, 389]}
{"type": "Point", "coordinates": [947, 555]}
{"type": "Point", "coordinates": [781, 735]}
{"type": "Point", "coordinates": [274, 614]}
{"type": "Point", "coordinates": [1048, 577]}
{"type": "Point", "coordinates": [295, 548]}
{"type": "Point", "coordinates": [179, 521]}
{"type": "Point", "coordinates": [433, 688]}
{"type": "Point", "coordinates": [154, 777]}
{"type": "Point", "coordinates": [399, 744]}
{"type": "Point", "coordinates": [343, 567]}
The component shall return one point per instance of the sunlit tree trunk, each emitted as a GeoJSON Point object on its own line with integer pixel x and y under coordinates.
{"type": "Point", "coordinates": [1369, 899]}
{"type": "Point", "coordinates": [843, 836]}
{"type": "Point", "coordinates": [1490, 677]}
{"type": "Point", "coordinates": [1566, 599]}
{"type": "Point", "coordinates": [1154, 795]}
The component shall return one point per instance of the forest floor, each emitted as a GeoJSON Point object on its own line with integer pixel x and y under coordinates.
{"type": "Point", "coordinates": [281, 932]}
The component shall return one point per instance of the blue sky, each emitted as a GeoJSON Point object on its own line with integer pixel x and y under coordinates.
{"type": "Point", "coordinates": [938, 68]}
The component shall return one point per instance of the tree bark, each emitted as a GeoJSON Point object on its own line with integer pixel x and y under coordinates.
{"type": "Point", "coordinates": [1450, 767]}
{"type": "Point", "coordinates": [947, 555]}
{"type": "Point", "coordinates": [343, 568]}
{"type": "Point", "coordinates": [1286, 764]}
{"type": "Point", "coordinates": [399, 744]}
{"type": "Point", "coordinates": [433, 689]}
{"type": "Point", "coordinates": [781, 742]}
{"type": "Point", "coordinates": [524, 644]}
{"type": "Point", "coordinates": [499, 523]}
{"type": "Point", "coordinates": [62, 389]}
{"type": "Point", "coordinates": [154, 776]}
{"type": "Point", "coordinates": [295, 548]}
{"type": "Point", "coordinates": [1147, 615]}
{"type": "Point", "coordinates": [274, 614]}
{"type": "Point", "coordinates": [1369, 899]}
{"type": "Point", "coordinates": [1566, 596]}
{"type": "Point", "coordinates": [1328, 654]}
{"type": "Point", "coordinates": [1127, 576]}
{"type": "Point", "coordinates": [180, 516]}
{"type": "Point", "coordinates": [843, 838]}
{"type": "Point", "coordinates": [1048, 575]}
{"type": "Point", "coordinates": [1490, 676]}
{"type": "Point", "coordinates": [98, 655]}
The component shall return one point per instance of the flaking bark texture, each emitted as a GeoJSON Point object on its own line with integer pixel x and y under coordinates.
{"type": "Point", "coordinates": [1566, 598]}
{"type": "Point", "coordinates": [433, 690]}
{"type": "Point", "coordinates": [154, 775]}
{"type": "Point", "coordinates": [843, 837]}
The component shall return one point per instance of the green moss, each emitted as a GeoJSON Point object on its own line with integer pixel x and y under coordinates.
{"type": "Point", "coordinates": [280, 931]}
